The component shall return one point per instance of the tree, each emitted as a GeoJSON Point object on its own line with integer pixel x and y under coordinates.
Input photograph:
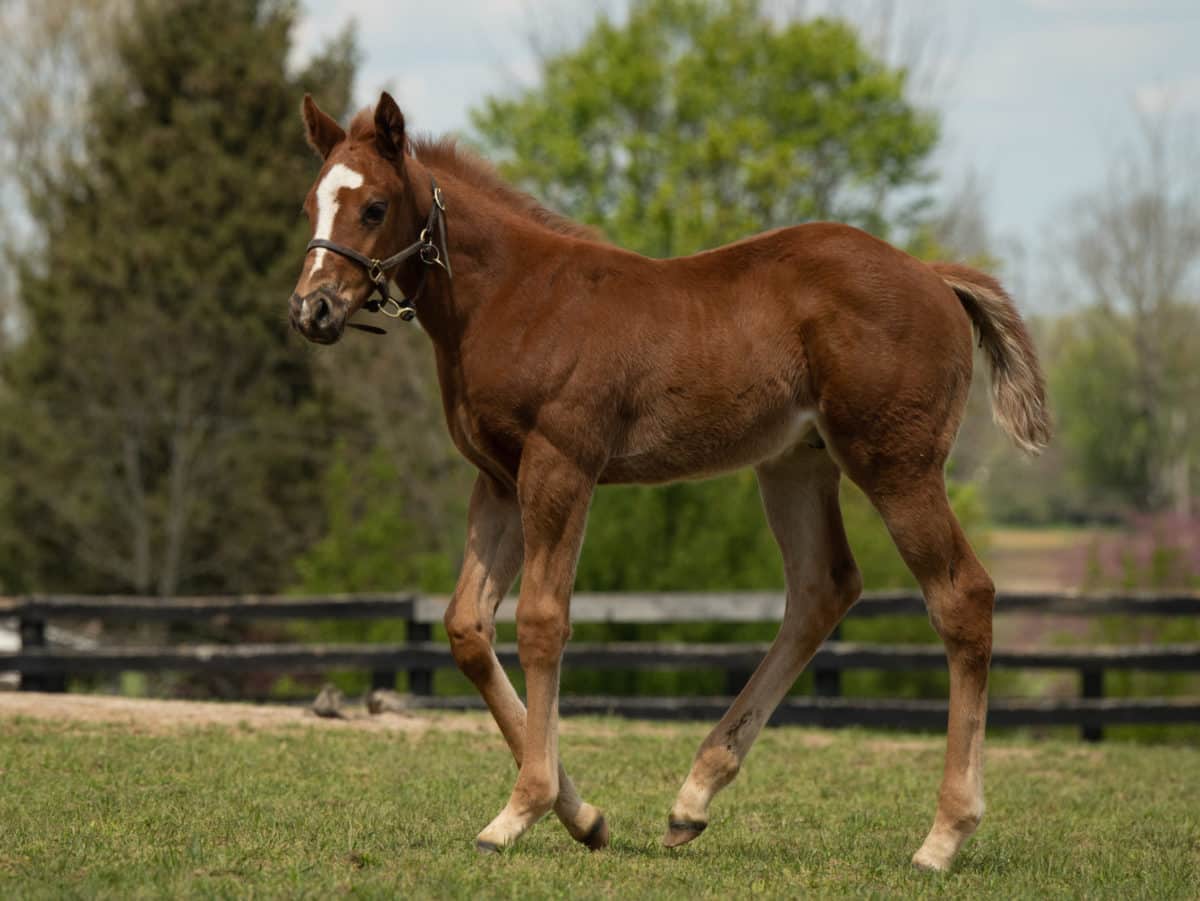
{"type": "Point", "coordinates": [1126, 453]}
{"type": "Point", "coordinates": [53, 48]}
{"type": "Point", "coordinates": [687, 535]}
{"type": "Point", "coordinates": [158, 426]}
{"type": "Point", "coordinates": [1128, 380]}
{"type": "Point", "coordinates": [696, 122]}
{"type": "Point", "coordinates": [372, 542]}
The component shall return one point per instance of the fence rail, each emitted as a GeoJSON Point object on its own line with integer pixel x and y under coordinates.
{"type": "Point", "coordinates": [586, 607]}
{"type": "Point", "coordinates": [47, 668]}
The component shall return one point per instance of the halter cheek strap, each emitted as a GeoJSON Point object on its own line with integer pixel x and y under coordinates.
{"type": "Point", "coordinates": [425, 248]}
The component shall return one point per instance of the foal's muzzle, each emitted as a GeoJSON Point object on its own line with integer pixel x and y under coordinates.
{"type": "Point", "coordinates": [319, 315]}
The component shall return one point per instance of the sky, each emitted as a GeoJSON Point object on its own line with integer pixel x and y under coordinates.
{"type": "Point", "coordinates": [1036, 96]}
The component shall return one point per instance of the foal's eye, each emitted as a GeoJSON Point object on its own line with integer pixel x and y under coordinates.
{"type": "Point", "coordinates": [374, 213]}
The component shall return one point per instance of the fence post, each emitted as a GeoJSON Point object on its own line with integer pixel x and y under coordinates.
{"type": "Point", "coordinates": [420, 681]}
{"type": "Point", "coordinates": [383, 678]}
{"type": "Point", "coordinates": [827, 683]}
{"type": "Point", "coordinates": [735, 681]}
{"type": "Point", "coordinates": [33, 636]}
{"type": "Point", "coordinates": [1092, 683]}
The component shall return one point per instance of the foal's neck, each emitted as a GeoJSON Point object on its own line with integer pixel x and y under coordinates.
{"type": "Point", "coordinates": [485, 244]}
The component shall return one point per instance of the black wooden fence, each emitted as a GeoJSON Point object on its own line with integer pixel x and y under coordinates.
{"type": "Point", "coordinates": [46, 669]}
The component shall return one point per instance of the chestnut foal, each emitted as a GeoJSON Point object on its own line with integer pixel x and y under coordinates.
{"type": "Point", "coordinates": [565, 362]}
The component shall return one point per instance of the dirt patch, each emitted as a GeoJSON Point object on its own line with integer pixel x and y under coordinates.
{"type": "Point", "coordinates": [991, 751]}
{"type": "Point", "coordinates": [901, 745]}
{"type": "Point", "coordinates": [158, 717]}
{"type": "Point", "coordinates": [814, 740]}
{"type": "Point", "coordinates": [1009, 752]}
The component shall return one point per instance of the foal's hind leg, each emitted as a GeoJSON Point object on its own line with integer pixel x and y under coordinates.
{"type": "Point", "coordinates": [960, 596]}
{"type": "Point", "coordinates": [800, 494]}
{"type": "Point", "coordinates": [493, 557]}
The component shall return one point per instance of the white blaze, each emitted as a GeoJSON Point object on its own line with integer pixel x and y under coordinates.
{"type": "Point", "coordinates": [340, 176]}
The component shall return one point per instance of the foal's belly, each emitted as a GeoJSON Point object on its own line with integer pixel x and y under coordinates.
{"type": "Point", "coordinates": [706, 445]}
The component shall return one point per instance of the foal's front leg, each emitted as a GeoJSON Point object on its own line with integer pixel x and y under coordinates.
{"type": "Point", "coordinates": [493, 556]}
{"type": "Point", "coordinates": [554, 494]}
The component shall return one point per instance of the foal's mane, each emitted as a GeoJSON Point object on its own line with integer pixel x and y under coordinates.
{"type": "Point", "coordinates": [446, 154]}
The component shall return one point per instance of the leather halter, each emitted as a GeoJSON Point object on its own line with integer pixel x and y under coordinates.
{"type": "Point", "coordinates": [425, 248]}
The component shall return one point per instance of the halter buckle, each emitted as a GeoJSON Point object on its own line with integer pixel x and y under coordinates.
{"type": "Point", "coordinates": [394, 309]}
{"type": "Point", "coordinates": [430, 255]}
{"type": "Point", "coordinates": [375, 271]}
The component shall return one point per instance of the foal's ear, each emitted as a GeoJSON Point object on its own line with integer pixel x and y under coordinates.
{"type": "Point", "coordinates": [389, 127]}
{"type": "Point", "coordinates": [322, 131]}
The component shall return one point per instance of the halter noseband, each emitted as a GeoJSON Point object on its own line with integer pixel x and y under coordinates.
{"type": "Point", "coordinates": [425, 248]}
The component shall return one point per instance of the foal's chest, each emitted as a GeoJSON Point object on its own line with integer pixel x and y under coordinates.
{"type": "Point", "coordinates": [489, 443]}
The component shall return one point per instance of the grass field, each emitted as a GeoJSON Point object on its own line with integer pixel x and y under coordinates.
{"type": "Point", "coordinates": [257, 808]}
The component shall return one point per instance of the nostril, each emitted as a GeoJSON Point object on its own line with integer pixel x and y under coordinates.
{"type": "Point", "coordinates": [321, 311]}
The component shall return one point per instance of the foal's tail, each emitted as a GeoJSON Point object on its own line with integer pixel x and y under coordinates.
{"type": "Point", "coordinates": [1018, 389]}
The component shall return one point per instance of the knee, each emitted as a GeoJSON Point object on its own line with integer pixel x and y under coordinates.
{"type": "Point", "coordinates": [470, 643]}
{"type": "Point", "coordinates": [962, 612]}
{"type": "Point", "coordinates": [542, 633]}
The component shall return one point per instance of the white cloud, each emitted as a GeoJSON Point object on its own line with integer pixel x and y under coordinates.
{"type": "Point", "coordinates": [1174, 96]}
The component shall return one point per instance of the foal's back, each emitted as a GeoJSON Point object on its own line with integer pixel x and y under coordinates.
{"type": "Point", "coordinates": [729, 357]}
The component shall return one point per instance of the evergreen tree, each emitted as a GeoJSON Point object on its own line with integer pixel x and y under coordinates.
{"type": "Point", "coordinates": [161, 428]}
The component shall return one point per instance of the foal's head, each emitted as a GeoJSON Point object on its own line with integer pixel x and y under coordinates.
{"type": "Point", "coordinates": [361, 200]}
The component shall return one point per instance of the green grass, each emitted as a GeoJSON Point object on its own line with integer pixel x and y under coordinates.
{"type": "Point", "coordinates": [95, 810]}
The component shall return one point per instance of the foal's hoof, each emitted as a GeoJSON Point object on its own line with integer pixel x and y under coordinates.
{"type": "Point", "coordinates": [926, 862]}
{"type": "Point", "coordinates": [680, 832]}
{"type": "Point", "coordinates": [486, 847]}
{"type": "Point", "coordinates": [597, 837]}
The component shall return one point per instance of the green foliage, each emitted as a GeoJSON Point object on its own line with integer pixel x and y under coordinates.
{"type": "Point", "coordinates": [157, 425]}
{"type": "Point", "coordinates": [697, 122]}
{"type": "Point", "coordinates": [1100, 422]}
{"type": "Point", "coordinates": [1127, 447]}
{"type": "Point", "coordinates": [713, 535]}
{"type": "Point", "coordinates": [371, 542]}
{"type": "Point", "coordinates": [685, 536]}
